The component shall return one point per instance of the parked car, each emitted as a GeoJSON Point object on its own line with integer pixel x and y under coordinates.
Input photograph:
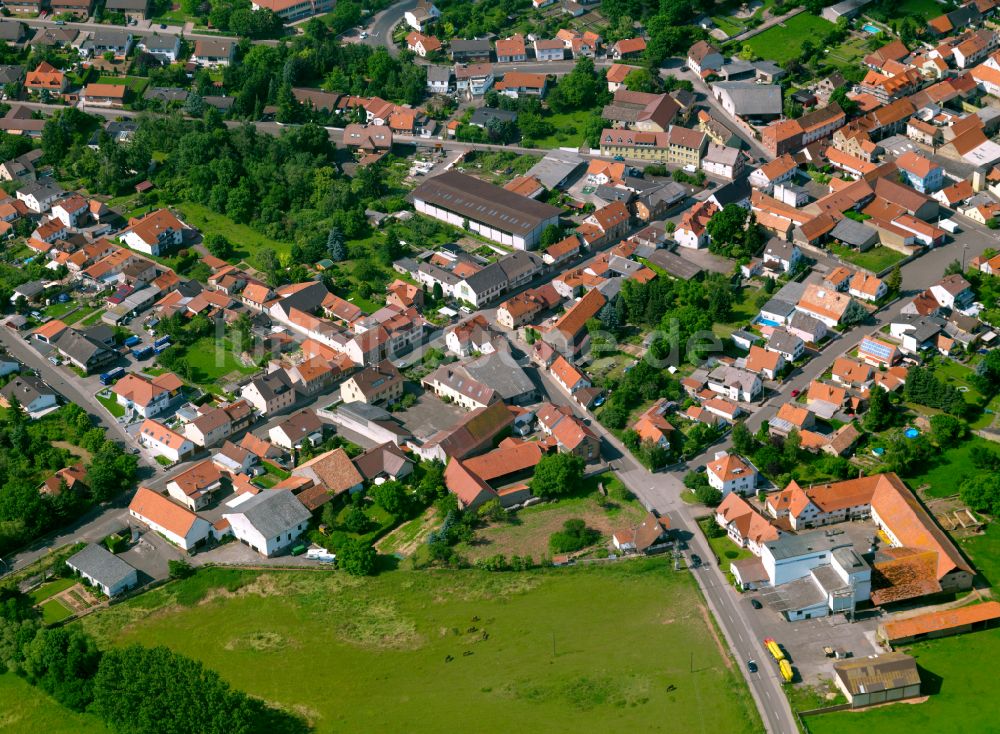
{"type": "Point", "coordinates": [756, 604]}
{"type": "Point", "coordinates": [795, 393]}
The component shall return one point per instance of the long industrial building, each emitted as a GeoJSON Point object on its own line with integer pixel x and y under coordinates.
{"type": "Point", "coordinates": [488, 210]}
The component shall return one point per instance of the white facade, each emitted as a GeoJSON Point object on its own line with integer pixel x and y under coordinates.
{"type": "Point", "coordinates": [199, 530]}
{"type": "Point", "coordinates": [518, 242]}
{"type": "Point", "coordinates": [687, 238]}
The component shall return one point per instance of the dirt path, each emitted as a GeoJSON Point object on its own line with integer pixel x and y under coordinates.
{"type": "Point", "coordinates": [74, 449]}
{"type": "Point", "coordinates": [407, 547]}
{"type": "Point", "coordinates": [723, 652]}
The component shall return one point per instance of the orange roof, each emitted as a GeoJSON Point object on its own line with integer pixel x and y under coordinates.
{"type": "Point", "coordinates": [162, 511]}
{"type": "Point", "coordinates": [631, 45]}
{"type": "Point", "coordinates": [618, 72]}
{"type": "Point", "coordinates": [826, 393]}
{"type": "Point", "coordinates": [865, 283]}
{"type": "Point", "coordinates": [759, 359]}
{"type": "Point", "coordinates": [728, 467]}
{"type": "Point", "coordinates": [524, 185]}
{"type": "Point", "coordinates": [51, 330]}
{"type": "Point", "coordinates": [851, 371]}
{"type": "Point", "coordinates": [566, 373]}
{"type": "Point", "coordinates": [161, 434]}
{"type": "Point", "coordinates": [826, 302]}
{"type": "Point", "coordinates": [794, 414]}
{"type": "Point", "coordinates": [914, 163]}
{"type": "Point", "coordinates": [504, 460]}
{"type": "Point", "coordinates": [109, 91]}
{"type": "Point", "coordinates": [575, 319]}
{"type": "Point", "coordinates": [922, 624]}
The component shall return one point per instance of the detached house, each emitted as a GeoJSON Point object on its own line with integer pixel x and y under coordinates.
{"type": "Point", "coordinates": [154, 234]}
{"type": "Point", "coordinates": [730, 473]}
{"type": "Point", "coordinates": [163, 441]}
{"type": "Point", "coordinates": [376, 383]}
{"type": "Point", "coordinates": [269, 522]}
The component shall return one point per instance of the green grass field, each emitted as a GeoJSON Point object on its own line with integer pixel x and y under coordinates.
{"type": "Point", "coordinates": [111, 405]}
{"type": "Point", "coordinates": [984, 550]}
{"type": "Point", "coordinates": [876, 259]}
{"type": "Point", "coordinates": [569, 129]}
{"type": "Point", "coordinates": [246, 240]}
{"type": "Point", "coordinates": [949, 468]}
{"type": "Point", "coordinates": [589, 648]}
{"type": "Point", "coordinates": [44, 591]}
{"type": "Point", "coordinates": [783, 42]}
{"type": "Point", "coordinates": [25, 709]}
{"type": "Point", "coordinates": [55, 611]}
{"type": "Point", "coordinates": [211, 360]}
{"type": "Point", "coordinates": [955, 671]}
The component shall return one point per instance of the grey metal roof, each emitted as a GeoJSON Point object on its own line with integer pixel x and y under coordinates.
{"type": "Point", "coordinates": [775, 305]}
{"type": "Point", "coordinates": [487, 279]}
{"type": "Point", "coordinates": [481, 201]}
{"type": "Point", "coordinates": [790, 546]}
{"type": "Point", "coordinates": [437, 73]}
{"type": "Point", "coordinates": [26, 388]}
{"type": "Point", "coordinates": [471, 45]}
{"type": "Point", "coordinates": [484, 115]}
{"type": "Point", "coordinates": [750, 99]}
{"type": "Point", "coordinates": [851, 232]}
{"type": "Point", "coordinates": [520, 263]}
{"type": "Point", "coordinates": [156, 42]}
{"type": "Point", "coordinates": [675, 265]}
{"type": "Point", "coordinates": [553, 171]}
{"type": "Point", "coordinates": [500, 372]}
{"type": "Point", "coordinates": [274, 512]}
{"type": "Point", "coordinates": [101, 565]}
{"type": "Point", "coordinates": [805, 322]}
{"type": "Point", "coordinates": [110, 37]}
{"type": "Point", "coordinates": [781, 341]}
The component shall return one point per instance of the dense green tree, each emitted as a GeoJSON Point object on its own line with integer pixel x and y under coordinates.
{"type": "Point", "coordinates": [62, 662]}
{"type": "Point", "coordinates": [356, 558]}
{"type": "Point", "coordinates": [557, 474]}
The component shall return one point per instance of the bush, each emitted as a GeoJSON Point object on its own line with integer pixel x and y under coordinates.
{"type": "Point", "coordinates": [708, 495]}
{"type": "Point", "coordinates": [179, 569]}
{"type": "Point", "coordinates": [574, 536]}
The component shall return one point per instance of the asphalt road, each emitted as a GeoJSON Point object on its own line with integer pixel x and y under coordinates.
{"type": "Point", "coordinates": [143, 29]}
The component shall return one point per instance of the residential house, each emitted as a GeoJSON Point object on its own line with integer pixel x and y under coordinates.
{"type": "Point", "coordinates": [155, 233]}
{"type": "Point", "coordinates": [423, 14]}
{"type": "Point", "coordinates": [385, 461]}
{"type": "Point", "coordinates": [147, 396]}
{"type": "Point", "coordinates": [194, 487]}
{"type": "Point", "coordinates": [269, 394]}
{"type": "Point", "coordinates": [867, 287]}
{"type": "Point", "coordinates": [649, 536]}
{"type": "Point", "coordinates": [333, 471]}
{"type": "Point", "coordinates": [214, 51]}
{"type": "Point", "coordinates": [295, 431]}
{"type": "Point", "coordinates": [734, 383]}
{"type": "Point", "coordinates": [375, 383]}
{"type": "Point", "coordinates": [34, 396]}
{"type": "Point", "coordinates": [269, 522]}
{"type": "Point", "coordinates": [703, 57]}
{"type": "Point", "coordinates": [730, 473]}
{"type": "Point", "coordinates": [549, 50]}
{"type": "Point", "coordinates": [163, 441]}
{"type": "Point", "coordinates": [174, 522]}
{"type": "Point", "coordinates": [104, 570]}
{"type": "Point", "coordinates": [763, 362]}
{"type": "Point", "coordinates": [921, 173]}
{"type": "Point", "coordinates": [567, 376]}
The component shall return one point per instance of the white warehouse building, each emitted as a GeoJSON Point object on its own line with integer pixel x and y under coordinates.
{"type": "Point", "coordinates": [490, 211]}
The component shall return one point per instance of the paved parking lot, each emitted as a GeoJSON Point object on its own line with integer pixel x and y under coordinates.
{"type": "Point", "coordinates": [151, 555]}
{"type": "Point", "coordinates": [429, 415]}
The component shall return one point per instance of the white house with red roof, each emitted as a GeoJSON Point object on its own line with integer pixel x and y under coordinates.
{"type": "Point", "coordinates": [730, 473]}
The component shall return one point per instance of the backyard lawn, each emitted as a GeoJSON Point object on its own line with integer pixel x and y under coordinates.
{"type": "Point", "coordinates": [984, 550]}
{"type": "Point", "coordinates": [211, 360]}
{"type": "Point", "coordinates": [110, 404]}
{"type": "Point", "coordinates": [783, 42]}
{"type": "Point", "coordinates": [876, 259]}
{"type": "Point", "coordinates": [955, 671]}
{"type": "Point", "coordinates": [245, 239]}
{"type": "Point", "coordinates": [54, 611]}
{"type": "Point", "coordinates": [25, 709]}
{"type": "Point", "coordinates": [725, 549]}
{"type": "Point", "coordinates": [949, 468]}
{"type": "Point", "coordinates": [44, 591]}
{"type": "Point", "coordinates": [589, 648]}
{"type": "Point", "coordinates": [527, 532]}
{"type": "Point", "coordinates": [569, 129]}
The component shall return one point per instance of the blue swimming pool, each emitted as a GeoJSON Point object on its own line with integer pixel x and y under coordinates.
{"type": "Point", "coordinates": [869, 28]}
{"type": "Point", "coordinates": [911, 433]}
{"type": "Point", "coordinates": [767, 322]}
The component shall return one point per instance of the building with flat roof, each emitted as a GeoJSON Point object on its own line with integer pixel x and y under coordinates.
{"type": "Point", "coordinates": [481, 207]}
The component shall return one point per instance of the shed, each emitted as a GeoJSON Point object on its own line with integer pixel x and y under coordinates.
{"type": "Point", "coordinates": [104, 569]}
{"type": "Point", "coordinates": [877, 679]}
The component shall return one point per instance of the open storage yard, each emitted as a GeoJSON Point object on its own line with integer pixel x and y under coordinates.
{"type": "Point", "coordinates": [957, 674]}
{"type": "Point", "coordinates": [583, 648]}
